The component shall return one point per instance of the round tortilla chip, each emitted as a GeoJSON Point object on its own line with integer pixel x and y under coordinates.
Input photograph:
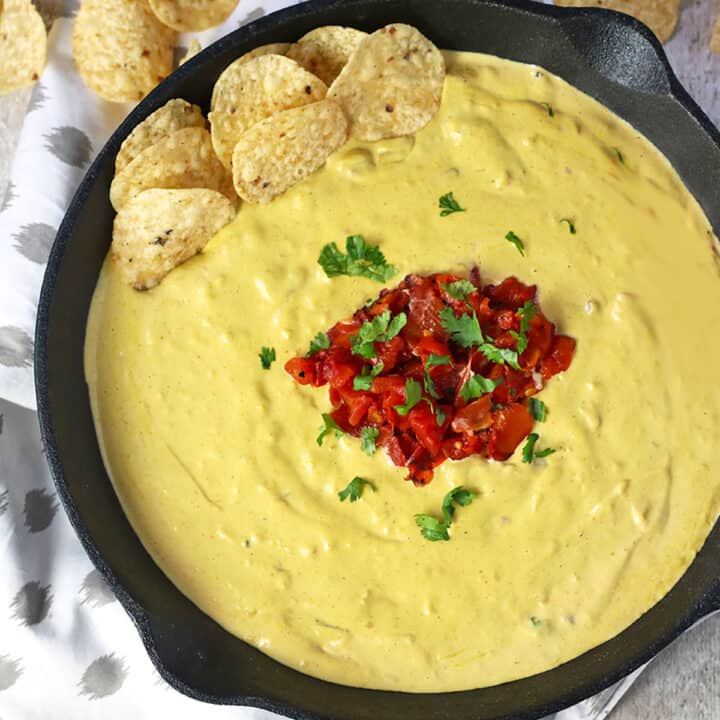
{"type": "Point", "coordinates": [326, 50]}
{"type": "Point", "coordinates": [185, 159]}
{"type": "Point", "coordinates": [193, 49]}
{"type": "Point", "coordinates": [171, 117]}
{"type": "Point", "coordinates": [192, 15]}
{"type": "Point", "coordinates": [160, 229]}
{"type": "Point", "coordinates": [121, 49]}
{"type": "Point", "coordinates": [282, 150]}
{"type": "Point", "coordinates": [23, 45]}
{"type": "Point", "coordinates": [392, 85]}
{"type": "Point", "coordinates": [660, 16]}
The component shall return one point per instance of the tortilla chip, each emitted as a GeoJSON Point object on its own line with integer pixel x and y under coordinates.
{"type": "Point", "coordinates": [174, 115]}
{"type": "Point", "coordinates": [192, 15]}
{"type": "Point", "coordinates": [660, 16]}
{"type": "Point", "coordinates": [193, 49]}
{"type": "Point", "coordinates": [184, 159]}
{"type": "Point", "coordinates": [392, 85]}
{"type": "Point", "coordinates": [715, 41]}
{"type": "Point", "coordinates": [282, 150]}
{"type": "Point", "coordinates": [23, 45]}
{"type": "Point", "coordinates": [254, 90]}
{"type": "Point", "coordinates": [326, 50]}
{"type": "Point", "coordinates": [121, 49]}
{"type": "Point", "coordinates": [160, 229]}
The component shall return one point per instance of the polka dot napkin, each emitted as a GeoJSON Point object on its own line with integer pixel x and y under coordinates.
{"type": "Point", "coordinates": [67, 649]}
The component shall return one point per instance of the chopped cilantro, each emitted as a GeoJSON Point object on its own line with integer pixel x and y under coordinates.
{"type": "Point", "coordinates": [447, 204]}
{"type": "Point", "coordinates": [459, 289]}
{"type": "Point", "coordinates": [440, 416]}
{"type": "Point", "coordinates": [361, 260]}
{"type": "Point", "coordinates": [432, 361]}
{"type": "Point", "coordinates": [570, 224]}
{"type": "Point", "coordinates": [433, 529]}
{"type": "Point", "coordinates": [364, 381]}
{"type": "Point", "coordinates": [329, 425]}
{"type": "Point", "coordinates": [413, 395]}
{"type": "Point", "coordinates": [477, 386]}
{"type": "Point", "coordinates": [528, 450]}
{"type": "Point", "coordinates": [501, 356]}
{"type": "Point", "coordinates": [535, 621]}
{"type": "Point", "coordinates": [549, 109]}
{"type": "Point", "coordinates": [526, 313]}
{"type": "Point", "coordinates": [464, 330]}
{"type": "Point", "coordinates": [320, 342]}
{"type": "Point", "coordinates": [538, 409]}
{"type": "Point", "coordinates": [368, 435]}
{"type": "Point", "coordinates": [619, 155]}
{"type": "Point", "coordinates": [354, 489]}
{"type": "Point", "coordinates": [380, 329]}
{"type": "Point", "coordinates": [267, 357]}
{"type": "Point", "coordinates": [516, 241]}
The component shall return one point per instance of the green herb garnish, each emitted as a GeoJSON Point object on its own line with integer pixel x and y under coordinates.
{"type": "Point", "coordinates": [368, 435]}
{"type": "Point", "coordinates": [433, 529]}
{"type": "Point", "coordinates": [464, 330]}
{"type": "Point", "coordinates": [538, 409]}
{"type": "Point", "coordinates": [501, 356]}
{"type": "Point", "coordinates": [364, 381]}
{"type": "Point", "coordinates": [361, 260]}
{"type": "Point", "coordinates": [619, 155]}
{"type": "Point", "coordinates": [432, 361]}
{"type": "Point", "coordinates": [267, 357]}
{"type": "Point", "coordinates": [447, 204]}
{"type": "Point", "coordinates": [379, 329]}
{"type": "Point", "coordinates": [526, 313]}
{"type": "Point", "coordinates": [535, 621]}
{"type": "Point", "coordinates": [516, 241]}
{"type": "Point", "coordinates": [460, 289]}
{"type": "Point", "coordinates": [529, 449]}
{"type": "Point", "coordinates": [354, 489]}
{"type": "Point", "coordinates": [549, 109]}
{"type": "Point", "coordinates": [329, 425]}
{"type": "Point", "coordinates": [477, 386]}
{"type": "Point", "coordinates": [320, 342]}
{"type": "Point", "coordinates": [413, 395]}
{"type": "Point", "coordinates": [570, 224]}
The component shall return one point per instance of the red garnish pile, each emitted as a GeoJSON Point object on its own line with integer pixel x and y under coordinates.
{"type": "Point", "coordinates": [453, 419]}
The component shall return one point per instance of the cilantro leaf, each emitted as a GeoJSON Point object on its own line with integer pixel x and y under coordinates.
{"type": "Point", "coordinates": [526, 313]}
{"type": "Point", "coordinates": [538, 409]}
{"type": "Point", "coordinates": [516, 241]}
{"type": "Point", "coordinates": [329, 425]}
{"type": "Point", "coordinates": [459, 289]}
{"type": "Point", "coordinates": [619, 155]}
{"type": "Point", "coordinates": [570, 224]}
{"type": "Point", "coordinates": [447, 204]}
{"type": "Point", "coordinates": [267, 357]}
{"type": "Point", "coordinates": [549, 109]}
{"type": "Point", "coordinates": [535, 621]}
{"type": "Point", "coordinates": [368, 436]}
{"type": "Point", "coordinates": [432, 361]}
{"type": "Point", "coordinates": [464, 330]}
{"type": "Point", "coordinates": [413, 395]}
{"type": "Point", "coordinates": [529, 449]}
{"type": "Point", "coordinates": [320, 342]}
{"type": "Point", "coordinates": [380, 329]}
{"type": "Point", "coordinates": [433, 529]}
{"type": "Point", "coordinates": [477, 386]}
{"type": "Point", "coordinates": [440, 416]}
{"type": "Point", "coordinates": [522, 341]}
{"type": "Point", "coordinates": [501, 356]}
{"type": "Point", "coordinates": [361, 260]}
{"type": "Point", "coordinates": [354, 489]}
{"type": "Point", "coordinates": [364, 381]}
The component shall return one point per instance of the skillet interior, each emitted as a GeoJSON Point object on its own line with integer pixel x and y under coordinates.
{"type": "Point", "coordinates": [609, 56]}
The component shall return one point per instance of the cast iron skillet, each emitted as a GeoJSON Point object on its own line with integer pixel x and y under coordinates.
{"type": "Point", "coordinates": [611, 57]}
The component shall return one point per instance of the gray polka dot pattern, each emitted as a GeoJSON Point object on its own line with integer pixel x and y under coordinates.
{"type": "Point", "coordinates": [103, 677]}
{"type": "Point", "coordinates": [10, 671]}
{"type": "Point", "coordinates": [253, 15]}
{"type": "Point", "coordinates": [34, 241]}
{"type": "Point", "coordinates": [32, 603]}
{"type": "Point", "coordinates": [37, 98]}
{"type": "Point", "coordinates": [95, 591]}
{"type": "Point", "coordinates": [3, 502]}
{"type": "Point", "coordinates": [16, 347]}
{"type": "Point", "coordinates": [9, 197]}
{"type": "Point", "coordinates": [40, 509]}
{"type": "Point", "coordinates": [70, 145]}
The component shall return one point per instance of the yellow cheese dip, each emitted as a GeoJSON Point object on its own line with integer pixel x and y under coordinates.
{"type": "Point", "coordinates": [215, 461]}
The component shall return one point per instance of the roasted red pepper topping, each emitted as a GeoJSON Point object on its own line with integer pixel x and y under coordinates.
{"type": "Point", "coordinates": [441, 367]}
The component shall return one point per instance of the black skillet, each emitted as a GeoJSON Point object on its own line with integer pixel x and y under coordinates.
{"type": "Point", "coordinates": [609, 56]}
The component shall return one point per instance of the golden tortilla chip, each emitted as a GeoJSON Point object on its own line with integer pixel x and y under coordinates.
{"type": "Point", "coordinates": [121, 49]}
{"type": "Point", "coordinates": [174, 115]}
{"type": "Point", "coordinates": [160, 229]}
{"type": "Point", "coordinates": [660, 16]}
{"type": "Point", "coordinates": [192, 15]}
{"type": "Point", "coordinates": [715, 41]}
{"type": "Point", "coordinates": [392, 85]}
{"type": "Point", "coordinates": [184, 159]}
{"type": "Point", "coordinates": [254, 90]}
{"type": "Point", "coordinates": [23, 45]}
{"type": "Point", "coordinates": [282, 150]}
{"type": "Point", "coordinates": [193, 49]}
{"type": "Point", "coordinates": [326, 50]}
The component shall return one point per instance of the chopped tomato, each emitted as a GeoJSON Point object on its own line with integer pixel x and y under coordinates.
{"type": "Point", "coordinates": [512, 425]}
{"type": "Point", "coordinates": [559, 358]}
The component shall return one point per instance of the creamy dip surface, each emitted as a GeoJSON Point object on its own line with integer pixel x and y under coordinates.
{"type": "Point", "coordinates": [215, 461]}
